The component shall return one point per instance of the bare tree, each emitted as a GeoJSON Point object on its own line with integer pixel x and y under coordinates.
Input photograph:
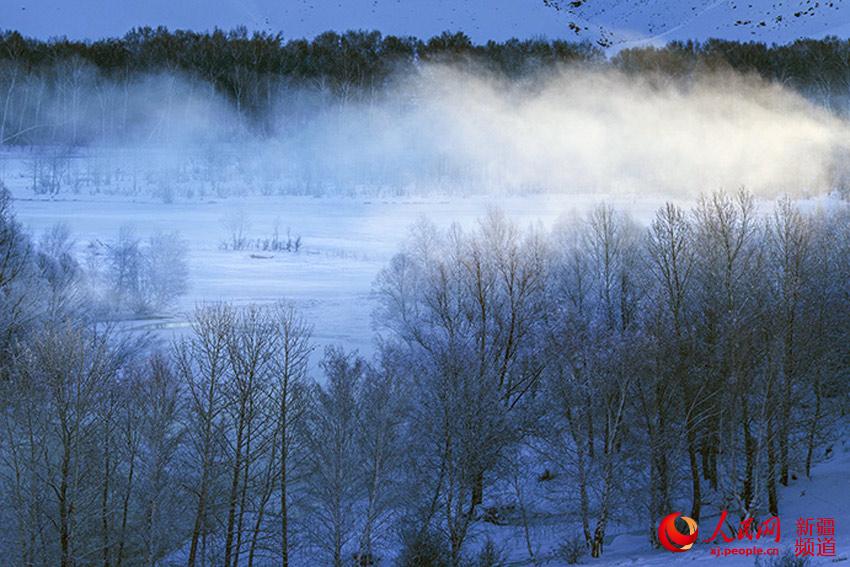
{"type": "Point", "coordinates": [145, 276]}
{"type": "Point", "coordinates": [250, 351]}
{"type": "Point", "coordinates": [202, 364]}
{"type": "Point", "coordinates": [334, 481]}
{"type": "Point", "coordinates": [165, 274]}
{"type": "Point", "coordinates": [290, 401]}
{"type": "Point", "coordinates": [238, 225]}
{"type": "Point", "coordinates": [671, 248]}
{"type": "Point", "coordinates": [381, 416]}
{"type": "Point", "coordinates": [74, 367]}
{"type": "Point", "coordinates": [591, 372]}
{"type": "Point", "coordinates": [788, 241]}
{"type": "Point", "coordinates": [161, 433]}
{"type": "Point", "coordinates": [728, 264]}
{"type": "Point", "coordinates": [16, 273]}
{"type": "Point", "coordinates": [467, 308]}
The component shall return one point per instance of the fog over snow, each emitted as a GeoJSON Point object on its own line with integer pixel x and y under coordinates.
{"type": "Point", "coordinates": [450, 129]}
{"type": "Point", "coordinates": [445, 143]}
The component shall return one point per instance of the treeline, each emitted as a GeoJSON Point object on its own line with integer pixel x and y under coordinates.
{"type": "Point", "coordinates": [599, 371]}
{"type": "Point", "coordinates": [59, 90]}
{"type": "Point", "coordinates": [253, 72]}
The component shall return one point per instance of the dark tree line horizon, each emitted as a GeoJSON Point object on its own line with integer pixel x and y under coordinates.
{"type": "Point", "coordinates": [250, 70]}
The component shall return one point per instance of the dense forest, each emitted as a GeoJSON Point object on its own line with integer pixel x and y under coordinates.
{"type": "Point", "coordinates": [583, 375]}
{"type": "Point", "coordinates": [65, 91]}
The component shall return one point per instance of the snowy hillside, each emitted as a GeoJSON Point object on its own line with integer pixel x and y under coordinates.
{"type": "Point", "coordinates": [613, 21]}
{"type": "Point", "coordinates": [619, 23]}
{"type": "Point", "coordinates": [825, 495]}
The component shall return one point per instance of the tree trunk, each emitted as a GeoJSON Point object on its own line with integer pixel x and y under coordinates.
{"type": "Point", "coordinates": [234, 487]}
{"type": "Point", "coordinates": [104, 504]}
{"type": "Point", "coordinates": [772, 500]}
{"type": "Point", "coordinates": [200, 514]}
{"type": "Point", "coordinates": [810, 449]}
{"type": "Point", "coordinates": [125, 509]}
{"type": "Point", "coordinates": [284, 517]}
{"type": "Point", "coordinates": [696, 495]}
{"type": "Point", "coordinates": [268, 488]}
{"type": "Point", "coordinates": [785, 425]}
{"type": "Point", "coordinates": [604, 509]}
{"type": "Point", "coordinates": [244, 498]}
{"type": "Point", "coordinates": [750, 454]}
{"type": "Point", "coordinates": [64, 508]}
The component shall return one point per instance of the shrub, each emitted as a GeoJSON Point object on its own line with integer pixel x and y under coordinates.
{"type": "Point", "coordinates": [787, 559]}
{"type": "Point", "coordinates": [572, 550]}
{"type": "Point", "coordinates": [489, 556]}
{"type": "Point", "coordinates": [424, 549]}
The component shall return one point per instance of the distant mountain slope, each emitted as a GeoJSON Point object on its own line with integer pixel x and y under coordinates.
{"type": "Point", "coordinates": [609, 22]}
{"type": "Point", "coordinates": [614, 23]}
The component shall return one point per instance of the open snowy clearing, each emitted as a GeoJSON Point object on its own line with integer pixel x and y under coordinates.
{"type": "Point", "coordinates": [346, 242]}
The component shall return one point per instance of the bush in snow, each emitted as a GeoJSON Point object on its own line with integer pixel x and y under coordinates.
{"type": "Point", "coordinates": [47, 173]}
{"type": "Point", "coordinates": [787, 559]}
{"type": "Point", "coordinates": [237, 239]}
{"type": "Point", "coordinates": [489, 556]}
{"type": "Point", "coordinates": [424, 549]}
{"type": "Point", "coordinates": [144, 276]}
{"type": "Point", "coordinates": [572, 550]}
{"type": "Point", "coordinates": [237, 224]}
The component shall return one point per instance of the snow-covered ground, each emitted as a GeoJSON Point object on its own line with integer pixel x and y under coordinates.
{"type": "Point", "coordinates": [346, 242]}
{"type": "Point", "coordinates": [825, 495]}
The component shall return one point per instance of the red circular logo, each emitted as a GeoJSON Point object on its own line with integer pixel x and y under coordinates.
{"type": "Point", "coordinates": [671, 538]}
